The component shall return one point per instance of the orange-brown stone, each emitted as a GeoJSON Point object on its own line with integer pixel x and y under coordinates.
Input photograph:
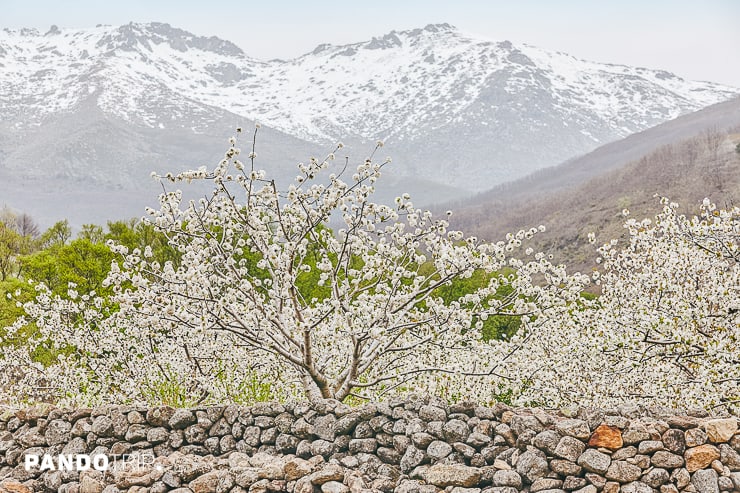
{"type": "Point", "coordinates": [13, 487]}
{"type": "Point", "coordinates": [606, 436]}
{"type": "Point", "coordinates": [700, 457]}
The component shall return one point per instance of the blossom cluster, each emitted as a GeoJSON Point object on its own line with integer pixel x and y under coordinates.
{"type": "Point", "coordinates": [265, 291]}
{"type": "Point", "coordinates": [665, 328]}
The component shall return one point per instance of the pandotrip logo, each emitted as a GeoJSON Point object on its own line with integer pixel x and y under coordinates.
{"type": "Point", "coordinates": [85, 462]}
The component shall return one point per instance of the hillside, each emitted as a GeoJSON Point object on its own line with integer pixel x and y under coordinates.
{"type": "Point", "coordinates": [686, 170]}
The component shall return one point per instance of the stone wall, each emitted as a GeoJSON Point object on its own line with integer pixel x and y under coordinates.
{"type": "Point", "coordinates": [416, 445]}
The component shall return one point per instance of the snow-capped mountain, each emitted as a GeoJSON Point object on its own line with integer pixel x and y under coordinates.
{"type": "Point", "coordinates": [462, 113]}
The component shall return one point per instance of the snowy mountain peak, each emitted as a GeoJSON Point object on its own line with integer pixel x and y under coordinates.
{"type": "Point", "coordinates": [471, 105]}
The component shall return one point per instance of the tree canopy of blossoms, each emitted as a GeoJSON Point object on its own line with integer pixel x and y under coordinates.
{"type": "Point", "coordinates": [265, 290]}
{"type": "Point", "coordinates": [264, 293]}
{"type": "Point", "coordinates": [665, 330]}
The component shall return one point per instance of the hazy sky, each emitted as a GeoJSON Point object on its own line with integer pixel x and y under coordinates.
{"type": "Point", "coordinates": [692, 38]}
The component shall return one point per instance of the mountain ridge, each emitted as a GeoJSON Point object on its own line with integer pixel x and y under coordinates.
{"type": "Point", "coordinates": [463, 113]}
{"type": "Point", "coordinates": [687, 159]}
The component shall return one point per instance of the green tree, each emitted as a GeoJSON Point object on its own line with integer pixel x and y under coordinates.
{"type": "Point", "coordinates": [11, 244]}
{"type": "Point", "coordinates": [81, 262]}
{"type": "Point", "coordinates": [57, 235]}
{"type": "Point", "coordinates": [137, 234]}
{"type": "Point", "coordinates": [92, 232]}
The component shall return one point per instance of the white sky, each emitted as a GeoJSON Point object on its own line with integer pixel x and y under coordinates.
{"type": "Point", "coordinates": [696, 39]}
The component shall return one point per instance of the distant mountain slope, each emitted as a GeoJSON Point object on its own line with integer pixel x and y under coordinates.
{"type": "Point", "coordinates": [96, 107]}
{"type": "Point", "coordinates": [687, 159]}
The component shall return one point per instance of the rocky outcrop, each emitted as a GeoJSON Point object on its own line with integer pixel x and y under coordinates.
{"type": "Point", "coordinates": [412, 445]}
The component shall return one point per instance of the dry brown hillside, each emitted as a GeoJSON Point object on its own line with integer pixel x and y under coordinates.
{"type": "Point", "coordinates": [707, 165]}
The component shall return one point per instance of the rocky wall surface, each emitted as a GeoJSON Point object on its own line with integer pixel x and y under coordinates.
{"type": "Point", "coordinates": [412, 445]}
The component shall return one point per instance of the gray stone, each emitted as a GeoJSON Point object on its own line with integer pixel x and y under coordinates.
{"type": "Point", "coordinates": [546, 484]}
{"type": "Point", "coordinates": [444, 475]}
{"type": "Point", "coordinates": [520, 424]}
{"type": "Point", "coordinates": [103, 426]}
{"type": "Point", "coordinates": [75, 446]}
{"type": "Point", "coordinates": [58, 431]}
{"type": "Point", "coordinates": [324, 427]}
{"type": "Point", "coordinates": [334, 487]}
{"type": "Point", "coordinates": [412, 458]}
{"type": "Point", "coordinates": [634, 436]}
{"type": "Point", "coordinates": [547, 441]}
{"type": "Point", "coordinates": [363, 445]}
{"type": "Point", "coordinates": [389, 455]}
{"type": "Point", "coordinates": [617, 421]}
{"type": "Point", "coordinates": [264, 421]}
{"type": "Point", "coordinates": [576, 428]}
{"type": "Point", "coordinates": [323, 448]}
{"type": "Point", "coordinates": [656, 477]}
{"type": "Point", "coordinates": [82, 427]}
{"type": "Point", "coordinates": [89, 484]}
{"type": "Point", "coordinates": [302, 428]}
{"type": "Point", "coordinates": [478, 440]}
{"type": "Point", "coordinates": [565, 467]}
{"type": "Point", "coordinates": [211, 444]}
{"type": "Point", "coordinates": [574, 483]}
{"type": "Point", "coordinates": [725, 483]}
{"type": "Point", "coordinates": [729, 457]}
{"type": "Point", "coordinates": [286, 444]}
{"type": "Point", "coordinates": [421, 440]}
{"type": "Point", "coordinates": [532, 465]}
{"type": "Point", "coordinates": [505, 432]}
{"type": "Point", "coordinates": [636, 487]}
{"type": "Point", "coordinates": [674, 441]}
{"type": "Point", "coordinates": [181, 419]}
{"type": "Point", "coordinates": [159, 416]}
{"type": "Point", "coordinates": [456, 430]}
{"type": "Point", "coordinates": [228, 444]}
{"type": "Point", "coordinates": [220, 428]}
{"type": "Point", "coordinates": [594, 461]}
{"type": "Point", "coordinates": [251, 436]}
{"type": "Point", "coordinates": [681, 477]}
{"type": "Point", "coordinates": [464, 449]}
{"type": "Point", "coordinates": [329, 472]}
{"type": "Point", "coordinates": [432, 413]}
{"type": "Point", "coordinates": [666, 460]}
{"type": "Point", "coordinates": [136, 433]}
{"type": "Point", "coordinates": [525, 439]}
{"type": "Point", "coordinates": [157, 435]}
{"type": "Point", "coordinates": [195, 435]}
{"type": "Point", "coordinates": [587, 489]}
{"type": "Point", "coordinates": [401, 443]}
{"type": "Point", "coordinates": [623, 472]}
{"type": "Point", "coordinates": [569, 448]}
{"type": "Point", "coordinates": [211, 482]}
{"type": "Point", "coordinates": [459, 489]}
{"type": "Point", "coordinates": [363, 430]}
{"type": "Point", "coordinates": [414, 425]}
{"type": "Point", "coordinates": [705, 481]}
{"type": "Point", "coordinates": [695, 437]}
{"type": "Point", "coordinates": [625, 453]}
{"type": "Point", "coordinates": [267, 409]}
{"type": "Point", "coordinates": [650, 446]}
{"type": "Point", "coordinates": [269, 435]}
{"type": "Point", "coordinates": [735, 477]}
{"type": "Point", "coordinates": [438, 450]}
{"type": "Point", "coordinates": [507, 478]}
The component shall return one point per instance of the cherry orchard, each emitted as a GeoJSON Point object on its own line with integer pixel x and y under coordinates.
{"type": "Point", "coordinates": [666, 328]}
{"type": "Point", "coordinates": [264, 290]}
